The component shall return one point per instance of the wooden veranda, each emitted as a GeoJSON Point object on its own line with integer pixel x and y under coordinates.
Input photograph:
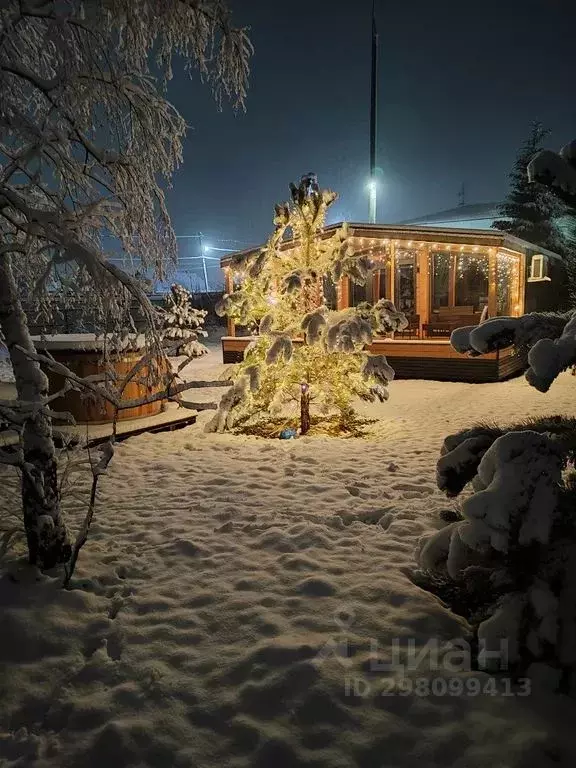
{"type": "Point", "coordinates": [441, 279]}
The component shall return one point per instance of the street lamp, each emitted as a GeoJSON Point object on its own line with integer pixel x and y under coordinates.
{"type": "Point", "coordinates": [205, 249]}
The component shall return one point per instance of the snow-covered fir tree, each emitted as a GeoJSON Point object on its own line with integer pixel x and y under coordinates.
{"type": "Point", "coordinates": [557, 172]}
{"type": "Point", "coordinates": [303, 351]}
{"type": "Point", "coordinates": [182, 323]}
{"type": "Point", "coordinates": [513, 554]}
{"type": "Point", "coordinates": [532, 211]}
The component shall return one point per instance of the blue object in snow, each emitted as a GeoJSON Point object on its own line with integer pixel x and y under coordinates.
{"type": "Point", "coordinates": [287, 434]}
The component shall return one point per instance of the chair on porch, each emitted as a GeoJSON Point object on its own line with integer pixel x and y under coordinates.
{"type": "Point", "coordinates": [412, 330]}
{"type": "Point", "coordinates": [446, 319]}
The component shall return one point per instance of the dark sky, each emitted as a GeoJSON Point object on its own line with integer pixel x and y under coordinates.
{"type": "Point", "coordinates": [460, 83]}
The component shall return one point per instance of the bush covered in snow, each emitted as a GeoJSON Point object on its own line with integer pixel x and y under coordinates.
{"type": "Point", "coordinates": [516, 543]}
{"type": "Point", "coordinates": [517, 538]}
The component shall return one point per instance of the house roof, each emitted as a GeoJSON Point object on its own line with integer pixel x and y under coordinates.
{"type": "Point", "coordinates": [423, 233]}
{"type": "Point", "coordinates": [473, 212]}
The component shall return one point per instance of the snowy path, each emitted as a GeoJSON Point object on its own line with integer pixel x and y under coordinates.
{"type": "Point", "coordinates": [219, 568]}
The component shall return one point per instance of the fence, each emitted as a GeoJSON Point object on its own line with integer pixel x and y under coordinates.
{"type": "Point", "coordinates": [66, 320]}
{"type": "Point", "coordinates": [79, 320]}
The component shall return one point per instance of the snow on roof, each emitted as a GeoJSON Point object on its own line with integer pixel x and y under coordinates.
{"type": "Point", "coordinates": [473, 212]}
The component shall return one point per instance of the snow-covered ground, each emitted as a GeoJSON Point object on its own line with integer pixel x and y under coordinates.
{"type": "Point", "coordinates": [238, 597]}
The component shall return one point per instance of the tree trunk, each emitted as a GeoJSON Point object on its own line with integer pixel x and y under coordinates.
{"type": "Point", "coordinates": [304, 408]}
{"type": "Point", "coordinates": [48, 542]}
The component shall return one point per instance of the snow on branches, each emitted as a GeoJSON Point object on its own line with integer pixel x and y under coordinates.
{"type": "Point", "coordinates": [89, 140]}
{"type": "Point", "coordinates": [301, 346]}
{"type": "Point", "coordinates": [517, 539]}
{"type": "Point", "coordinates": [549, 357]}
{"type": "Point", "coordinates": [88, 145]}
{"type": "Point", "coordinates": [516, 493]}
{"type": "Point", "coordinates": [548, 339]}
{"type": "Point", "coordinates": [512, 558]}
{"type": "Point", "coordinates": [348, 334]}
{"type": "Point", "coordinates": [556, 170]}
{"type": "Point", "coordinates": [513, 555]}
{"type": "Point", "coordinates": [182, 323]}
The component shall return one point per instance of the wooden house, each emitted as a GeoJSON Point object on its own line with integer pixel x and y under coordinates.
{"type": "Point", "coordinates": [441, 278]}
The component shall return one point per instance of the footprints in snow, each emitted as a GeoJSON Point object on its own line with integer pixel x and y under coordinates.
{"type": "Point", "coordinates": [414, 490]}
{"type": "Point", "coordinates": [404, 490]}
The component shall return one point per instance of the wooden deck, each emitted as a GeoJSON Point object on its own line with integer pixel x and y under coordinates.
{"type": "Point", "coordinates": [420, 359]}
{"type": "Point", "coordinates": [172, 418]}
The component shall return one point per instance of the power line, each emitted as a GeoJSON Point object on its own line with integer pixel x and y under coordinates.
{"type": "Point", "coordinates": [200, 236]}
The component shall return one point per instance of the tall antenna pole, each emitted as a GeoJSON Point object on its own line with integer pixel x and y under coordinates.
{"type": "Point", "coordinates": [373, 184]}
{"type": "Point", "coordinates": [462, 194]}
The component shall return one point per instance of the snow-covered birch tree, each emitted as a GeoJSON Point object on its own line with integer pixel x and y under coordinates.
{"type": "Point", "coordinates": [88, 143]}
{"type": "Point", "coordinates": [513, 553]}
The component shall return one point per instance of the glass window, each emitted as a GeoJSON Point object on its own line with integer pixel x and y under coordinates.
{"type": "Point", "coordinates": [471, 281]}
{"type": "Point", "coordinates": [377, 282]}
{"type": "Point", "coordinates": [330, 293]}
{"type": "Point", "coordinates": [380, 283]}
{"type": "Point", "coordinates": [440, 279]}
{"type": "Point", "coordinates": [405, 282]}
{"type": "Point", "coordinates": [361, 293]}
{"type": "Point", "coordinates": [376, 287]}
{"type": "Point", "coordinates": [508, 284]}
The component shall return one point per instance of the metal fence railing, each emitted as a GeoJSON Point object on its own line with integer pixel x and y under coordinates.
{"type": "Point", "coordinates": [67, 320]}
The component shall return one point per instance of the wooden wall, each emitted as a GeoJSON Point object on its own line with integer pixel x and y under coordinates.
{"type": "Point", "coordinates": [548, 295]}
{"type": "Point", "coordinates": [432, 360]}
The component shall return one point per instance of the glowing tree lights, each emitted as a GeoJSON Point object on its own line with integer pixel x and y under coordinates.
{"type": "Point", "coordinates": [304, 355]}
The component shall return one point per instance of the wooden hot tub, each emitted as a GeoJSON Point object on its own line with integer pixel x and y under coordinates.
{"type": "Point", "coordinates": [81, 353]}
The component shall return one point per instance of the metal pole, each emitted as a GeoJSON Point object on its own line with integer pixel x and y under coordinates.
{"type": "Point", "coordinates": [207, 287]}
{"type": "Point", "coordinates": [373, 119]}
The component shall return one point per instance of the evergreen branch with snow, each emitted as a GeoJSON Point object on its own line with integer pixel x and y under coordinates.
{"type": "Point", "coordinates": [182, 323]}
{"type": "Point", "coordinates": [516, 542]}
{"type": "Point", "coordinates": [531, 210]}
{"type": "Point", "coordinates": [303, 355]}
{"type": "Point", "coordinates": [546, 339]}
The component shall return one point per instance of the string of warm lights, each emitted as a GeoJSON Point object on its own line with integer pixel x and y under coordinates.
{"type": "Point", "coordinates": [508, 284]}
{"type": "Point", "coordinates": [382, 252]}
{"type": "Point", "coordinates": [466, 262]}
{"type": "Point", "coordinates": [365, 242]}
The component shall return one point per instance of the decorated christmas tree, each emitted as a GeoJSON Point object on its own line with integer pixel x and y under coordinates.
{"type": "Point", "coordinates": [305, 357]}
{"type": "Point", "coordinates": [182, 323]}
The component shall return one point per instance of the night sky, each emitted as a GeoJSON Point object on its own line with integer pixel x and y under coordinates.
{"type": "Point", "coordinates": [459, 85]}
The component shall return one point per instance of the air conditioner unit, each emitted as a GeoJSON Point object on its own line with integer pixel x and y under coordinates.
{"type": "Point", "coordinates": [538, 269]}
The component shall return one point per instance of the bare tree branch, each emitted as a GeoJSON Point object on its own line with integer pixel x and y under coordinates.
{"type": "Point", "coordinates": [88, 146]}
{"type": "Point", "coordinates": [98, 469]}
